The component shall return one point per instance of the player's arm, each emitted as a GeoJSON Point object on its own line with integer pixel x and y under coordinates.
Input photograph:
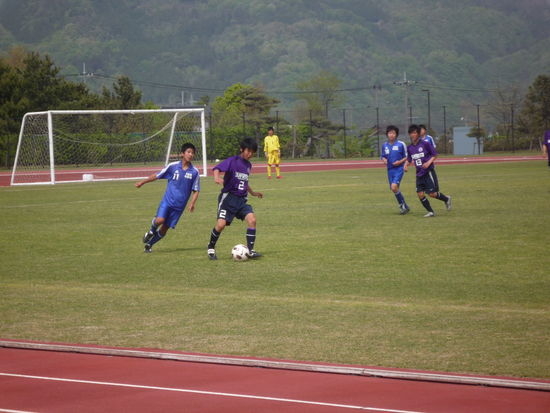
{"type": "Point", "coordinates": [217, 178]}
{"type": "Point", "coordinates": [400, 161]}
{"type": "Point", "coordinates": [146, 180]}
{"type": "Point", "coordinates": [253, 193]}
{"type": "Point", "coordinates": [194, 197]}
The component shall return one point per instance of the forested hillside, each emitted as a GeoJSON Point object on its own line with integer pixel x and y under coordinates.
{"type": "Point", "coordinates": [178, 49]}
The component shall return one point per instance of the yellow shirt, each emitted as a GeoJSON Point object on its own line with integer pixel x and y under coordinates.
{"type": "Point", "coordinates": [271, 143]}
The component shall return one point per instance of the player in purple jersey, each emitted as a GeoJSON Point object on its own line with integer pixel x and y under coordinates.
{"type": "Point", "coordinates": [232, 201]}
{"type": "Point", "coordinates": [394, 156]}
{"type": "Point", "coordinates": [546, 145]}
{"type": "Point", "coordinates": [422, 154]}
{"type": "Point", "coordinates": [183, 183]}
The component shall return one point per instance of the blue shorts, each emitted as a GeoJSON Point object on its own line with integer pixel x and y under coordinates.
{"type": "Point", "coordinates": [231, 206]}
{"type": "Point", "coordinates": [427, 183]}
{"type": "Point", "coordinates": [395, 175]}
{"type": "Point", "coordinates": [171, 215]}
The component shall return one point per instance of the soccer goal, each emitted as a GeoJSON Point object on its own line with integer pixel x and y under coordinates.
{"type": "Point", "coordinates": [97, 145]}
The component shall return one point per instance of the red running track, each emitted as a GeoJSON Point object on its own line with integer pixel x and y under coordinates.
{"type": "Point", "coordinates": [76, 175]}
{"type": "Point", "coordinates": [50, 381]}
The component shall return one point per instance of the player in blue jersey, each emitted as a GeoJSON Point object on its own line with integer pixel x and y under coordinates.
{"type": "Point", "coordinates": [422, 154]}
{"type": "Point", "coordinates": [232, 201]}
{"type": "Point", "coordinates": [183, 183]}
{"type": "Point", "coordinates": [546, 145]}
{"type": "Point", "coordinates": [424, 135]}
{"type": "Point", "coordinates": [394, 156]}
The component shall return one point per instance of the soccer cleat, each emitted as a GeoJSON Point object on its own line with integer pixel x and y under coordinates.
{"type": "Point", "coordinates": [254, 254]}
{"type": "Point", "coordinates": [212, 254]}
{"type": "Point", "coordinates": [404, 209]}
{"type": "Point", "coordinates": [148, 237]}
{"type": "Point", "coordinates": [147, 248]}
{"type": "Point", "coordinates": [449, 204]}
{"type": "Point", "coordinates": [429, 215]}
{"type": "Point", "coordinates": [279, 177]}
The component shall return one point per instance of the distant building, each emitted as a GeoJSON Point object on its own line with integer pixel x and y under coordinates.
{"type": "Point", "coordinates": [464, 144]}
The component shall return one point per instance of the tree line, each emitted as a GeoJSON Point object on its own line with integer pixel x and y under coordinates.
{"type": "Point", "coordinates": [30, 82]}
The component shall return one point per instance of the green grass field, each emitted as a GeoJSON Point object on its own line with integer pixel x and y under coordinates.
{"type": "Point", "coordinates": [344, 278]}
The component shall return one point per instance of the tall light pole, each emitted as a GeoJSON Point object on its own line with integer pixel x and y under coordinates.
{"type": "Point", "coordinates": [429, 110]}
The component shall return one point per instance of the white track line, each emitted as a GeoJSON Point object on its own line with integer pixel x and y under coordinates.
{"type": "Point", "coordinates": [13, 411]}
{"type": "Point", "coordinates": [211, 393]}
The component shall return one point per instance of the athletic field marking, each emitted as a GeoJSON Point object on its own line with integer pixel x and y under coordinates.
{"type": "Point", "coordinates": [211, 393]}
{"type": "Point", "coordinates": [13, 411]}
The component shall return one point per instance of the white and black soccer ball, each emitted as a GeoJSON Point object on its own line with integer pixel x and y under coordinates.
{"type": "Point", "coordinates": [240, 252]}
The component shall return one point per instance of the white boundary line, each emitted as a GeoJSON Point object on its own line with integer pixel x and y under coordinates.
{"type": "Point", "coordinates": [284, 365]}
{"type": "Point", "coordinates": [210, 393]}
{"type": "Point", "coordinates": [13, 411]}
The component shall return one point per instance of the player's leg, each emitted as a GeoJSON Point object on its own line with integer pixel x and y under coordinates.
{"type": "Point", "coordinates": [250, 220]}
{"type": "Point", "coordinates": [276, 160]}
{"type": "Point", "coordinates": [224, 218]}
{"type": "Point", "coordinates": [169, 220]}
{"type": "Point", "coordinates": [268, 171]}
{"type": "Point", "coordinates": [435, 193]}
{"type": "Point", "coordinates": [422, 182]}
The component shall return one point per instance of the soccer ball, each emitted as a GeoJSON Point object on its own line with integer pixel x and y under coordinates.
{"type": "Point", "coordinates": [240, 252]}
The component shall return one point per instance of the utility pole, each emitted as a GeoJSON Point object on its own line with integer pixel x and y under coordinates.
{"type": "Point", "coordinates": [445, 127]}
{"type": "Point", "coordinates": [512, 126]}
{"type": "Point", "coordinates": [378, 131]}
{"type": "Point", "coordinates": [478, 134]}
{"type": "Point", "coordinates": [429, 111]}
{"type": "Point", "coordinates": [406, 84]}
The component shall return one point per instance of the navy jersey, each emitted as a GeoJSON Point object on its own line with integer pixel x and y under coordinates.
{"type": "Point", "coordinates": [394, 152]}
{"type": "Point", "coordinates": [546, 140]}
{"type": "Point", "coordinates": [237, 170]}
{"type": "Point", "coordinates": [419, 154]}
{"type": "Point", "coordinates": [181, 183]}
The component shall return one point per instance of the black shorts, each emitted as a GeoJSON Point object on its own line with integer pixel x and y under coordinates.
{"type": "Point", "coordinates": [427, 183]}
{"type": "Point", "coordinates": [231, 206]}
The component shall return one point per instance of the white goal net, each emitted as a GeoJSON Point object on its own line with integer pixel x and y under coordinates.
{"type": "Point", "coordinates": [90, 145]}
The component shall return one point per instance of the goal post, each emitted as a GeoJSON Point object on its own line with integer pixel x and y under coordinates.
{"type": "Point", "coordinates": [59, 146]}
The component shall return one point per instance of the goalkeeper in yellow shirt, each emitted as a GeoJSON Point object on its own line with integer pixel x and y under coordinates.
{"type": "Point", "coordinates": [272, 150]}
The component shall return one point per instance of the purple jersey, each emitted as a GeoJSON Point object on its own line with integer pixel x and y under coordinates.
{"type": "Point", "coordinates": [419, 154]}
{"type": "Point", "coordinates": [237, 169]}
{"type": "Point", "coordinates": [546, 140]}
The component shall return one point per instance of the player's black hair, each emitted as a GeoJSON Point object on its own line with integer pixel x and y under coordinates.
{"type": "Point", "coordinates": [414, 128]}
{"type": "Point", "coordinates": [188, 145]}
{"type": "Point", "coordinates": [249, 143]}
{"type": "Point", "coordinates": [421, 126]}
{"type": "Point", "coordinates": [392, 128]}
{"type": "Point", "coordinates": [270, 128]}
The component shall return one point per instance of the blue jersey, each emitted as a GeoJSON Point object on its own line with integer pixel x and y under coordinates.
{"type": "Point", "coordinates": [394, 152]}
{"type": "Point", "coordinates": [419, 154]}
{"type": "Point", "coordinates": [237, 170]}
{"type": "Point", "coordinates": [181, 183]}
{"type": "Point", "coordinates": [428, 138]}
